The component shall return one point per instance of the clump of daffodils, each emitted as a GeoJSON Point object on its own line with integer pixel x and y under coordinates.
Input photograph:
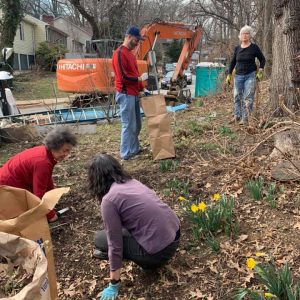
{"type": "Point", "coordinates": [210, 218]}
{"type": "Point", "coordinates": [276, 283]}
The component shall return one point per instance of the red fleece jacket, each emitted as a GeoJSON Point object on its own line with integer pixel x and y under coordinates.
{"type": "Point", "coordinates": [126, 72]}
{"type": "Point", "coordinates": [32, 170]}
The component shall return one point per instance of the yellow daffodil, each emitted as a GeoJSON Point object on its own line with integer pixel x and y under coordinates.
{"type": "Point", "coordinates": [180, 198]}
{"type": "Point", "coordinates": [269, 295]}
{"type": "Point", "coordinates": [216, 196]}
{"type": "Point", "coordinates": [202, 206]}
{"type": "Point", "coordinates": [194, 208]}
{"type": "Point", "coordinates": [251, 263]}
{"type": "Point", "coordinates": [260, 254]}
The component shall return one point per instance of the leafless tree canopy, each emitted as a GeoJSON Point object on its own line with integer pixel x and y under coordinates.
{"type": "Point", "coordinates": [107, 18]}
{"type": "Point", "coordinates": [221, 21]}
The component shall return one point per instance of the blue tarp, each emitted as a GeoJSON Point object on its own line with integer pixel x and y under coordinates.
{"type": "Point", "coordinates": [74, 115]}
{"type": "Point", "coordinates": [177, 107]}
{"type": "Point", "coordinates": [93, 114]}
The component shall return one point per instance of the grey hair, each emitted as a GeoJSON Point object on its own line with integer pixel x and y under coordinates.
{"type": "Point", "coordinates": [248, 29]}
{"type": "Point", "coordinates": [59, 136]}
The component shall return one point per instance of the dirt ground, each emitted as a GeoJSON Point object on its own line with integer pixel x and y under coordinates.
{"type": "Point", "coordinates": [212, 156]}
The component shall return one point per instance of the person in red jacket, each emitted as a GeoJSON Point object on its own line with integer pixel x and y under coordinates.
{"type": "Point", "coordinates": [128, 84]}
{"type": "Point", "coordinates": [32, 169]}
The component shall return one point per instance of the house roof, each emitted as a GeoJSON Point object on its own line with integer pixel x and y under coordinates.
{"type": "Point", "coordinates": [35, 21]}
{"type": "Point", "coordinates": [32, 20]}
{"type": "Point", "coordinates": [57, 30]}
{"type": "Point", "coordinates": [74, 25]}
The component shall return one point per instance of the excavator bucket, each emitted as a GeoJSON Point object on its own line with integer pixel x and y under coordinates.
{"type": "Point", "coordinates": [182, 95]}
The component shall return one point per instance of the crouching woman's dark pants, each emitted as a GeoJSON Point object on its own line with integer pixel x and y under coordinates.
{"type": "Point", "coordinates": [136, 253]}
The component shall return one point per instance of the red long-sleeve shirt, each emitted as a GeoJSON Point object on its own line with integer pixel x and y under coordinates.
{"type": "Point", "coordinates": [126, 72]}
{"type": "Point", "coordinates": [30, 169]}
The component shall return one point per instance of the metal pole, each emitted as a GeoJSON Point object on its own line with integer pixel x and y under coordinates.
{"type": "Point", "coordinates": [154, 66]}
{"type": "Point", "coordinates": [5, 108]}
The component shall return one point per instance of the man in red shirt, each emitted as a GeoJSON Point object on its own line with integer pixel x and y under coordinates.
{"type": "Point", "coordinates": [32, 169]}
{"type": "Point", "coordinates": [128, 83]}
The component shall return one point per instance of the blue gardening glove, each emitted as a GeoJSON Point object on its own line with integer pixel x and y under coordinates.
{"type": "Point", "coordinates": [110, 292]}
{"type": "Point", "coordinates": [259, 74]}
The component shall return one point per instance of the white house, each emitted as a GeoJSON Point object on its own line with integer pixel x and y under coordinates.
{"type": "Point", "coordinates": [32, 31]}
{"type": "Point", "coordinates": [25, 43]}
{"type": "Point", "coordinates": [30, 34]}
{"type": "Point", "coordinates": [78, 38]}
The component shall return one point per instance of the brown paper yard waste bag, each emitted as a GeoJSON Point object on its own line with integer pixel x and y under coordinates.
{"type": "Point", "coordinates": [23, 269]}
{"type": "Point", "coordinates": [158, 126]}
{"type": "Point", "coordinates": [24, 214]}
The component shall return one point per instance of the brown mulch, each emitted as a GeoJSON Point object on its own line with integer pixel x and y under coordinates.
{"type": "Point", "coordinates": [213, 156]}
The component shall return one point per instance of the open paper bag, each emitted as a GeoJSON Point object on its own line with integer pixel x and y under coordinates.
{"type": "Point", "coordinates": [24, 214]}
{"type": "Point", "coordinates": [25, 263]}
{"type": "Point", "coordinates": [158, 126]}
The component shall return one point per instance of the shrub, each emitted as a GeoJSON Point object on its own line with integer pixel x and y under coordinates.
{"type": "Point", "coordinates": [47, 55]}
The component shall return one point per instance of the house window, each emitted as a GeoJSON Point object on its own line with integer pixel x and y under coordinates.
{"type": "Point", "coordinates": [31, 60]}
{"type": "Point", "coordinates": [21, 29]}
{"type": "Point", "coordinates": [77, 46]}
{"type": "Point", "coordinates": [24, 62]}
{"type": "Point", "coordinates": [88, 46]}
{"type": "Point", "coordinates": [55, 37]}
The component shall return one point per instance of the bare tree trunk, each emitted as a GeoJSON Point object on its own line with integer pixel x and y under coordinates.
{"type": "Point", "coordinates": [55, 7]}
{"type": "Point", "coordinates": [230, 16]}
{"type": "Point", "coordinates": [220, 31]}
{"type": "Point", "coordinates": [91, 19]}
{"type": "Point", "coordinates": [11, 18]}
{"type": "Point", "coordinates": [260, 22]}
{"type": "Point", "coordinates": [267, 36]}
{"type": "Point", "coordinates": [286, 45]}
{"type": "Point", "coordinates": [240, 16]}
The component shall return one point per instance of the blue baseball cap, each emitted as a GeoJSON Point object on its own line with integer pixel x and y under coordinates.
{"type": "Point", "coordinates": [134, 31]}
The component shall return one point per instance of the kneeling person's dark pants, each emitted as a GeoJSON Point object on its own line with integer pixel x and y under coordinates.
{"type": "Point", "coordinates": [133, 251]}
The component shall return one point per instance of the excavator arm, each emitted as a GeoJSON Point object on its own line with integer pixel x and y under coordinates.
{"type": "Point", "coordinates": [170, 30]}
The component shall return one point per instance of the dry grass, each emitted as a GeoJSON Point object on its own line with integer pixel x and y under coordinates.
{"type": "Point", "coordinates": [36, 85]}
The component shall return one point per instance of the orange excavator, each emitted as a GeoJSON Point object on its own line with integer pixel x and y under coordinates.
{"type": "Point", "coordinates": [95, 75]}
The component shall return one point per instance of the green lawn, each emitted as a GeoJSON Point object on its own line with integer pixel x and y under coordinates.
{"type": "Point", "coordinates": [36, 85]}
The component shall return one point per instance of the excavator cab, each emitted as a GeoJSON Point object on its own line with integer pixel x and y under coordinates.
{"type": "Point", "coordinates": [104, 48]}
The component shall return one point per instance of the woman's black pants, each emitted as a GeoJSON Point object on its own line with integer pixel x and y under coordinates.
{"type": "Point", "coordinates": [136, 253]}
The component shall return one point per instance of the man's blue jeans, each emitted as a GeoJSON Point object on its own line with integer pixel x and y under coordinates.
{"type": "Point", "coordinates": [131, 124]}
{"type": "Point", "coordinates": [244, 90]}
